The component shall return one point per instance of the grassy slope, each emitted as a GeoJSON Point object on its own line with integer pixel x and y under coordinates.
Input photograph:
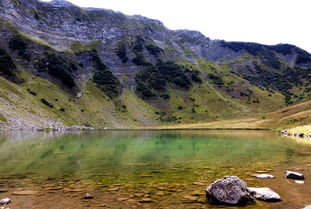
{"type": "Point", "coordinates": [288, 117]}
{"type": "Point", "coordinates": [17, 105]}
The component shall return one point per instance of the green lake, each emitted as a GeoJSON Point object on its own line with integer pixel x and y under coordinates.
{"type": "Point", "coordinates": [140, 159]}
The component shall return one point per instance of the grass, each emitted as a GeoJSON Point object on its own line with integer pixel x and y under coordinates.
{"type": "Point", "coordinates": [78, 46]}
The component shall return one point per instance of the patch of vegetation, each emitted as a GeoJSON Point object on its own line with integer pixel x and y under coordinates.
{"type": "Point", "coordinates": [59, 68]}
{"type": "Point", "coordinates": [31, 92]}
{"type": "Point", "coordinates": [140, 60]}
{"type": "Point", "coordinates": [154, 79]}
{"type": "Point", "coordinates": [138, 45]}
{"type": "Point", "coordinates": [78, 46]}
{"type": "Point", "coordinates": [216, 79]}
{"type": "Point", "coordinates": [3, 119]}
{"type": "Point", "coordinates": [16, 43]}
{"type": "Point", "coordinates": [121, 52]}
{"type": "Point", "coordinates": [267, 56]}
{"type": "Point", "coordinates": [44, 101]}
{"type": "Point", "coordinates": [7, 67]}
{"type": "Point", "coordinates": [138, 48]}
{"type": "Point", "coordinates": [282, 82]}
{"type": "Point", "coordinates": [104, 78]}
{"type": "Point", "coordinates": [153, 49]}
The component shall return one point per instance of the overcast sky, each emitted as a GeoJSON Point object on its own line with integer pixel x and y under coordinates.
{"type": "Point", "coordinates": [262, 21]}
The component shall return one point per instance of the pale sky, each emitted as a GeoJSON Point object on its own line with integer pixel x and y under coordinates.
{"type": "Point", "coordinates": [262, 21]}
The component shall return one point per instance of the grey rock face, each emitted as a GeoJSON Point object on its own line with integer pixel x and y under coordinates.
{"type": "Point", "coordinates": [265, 194]}
{"type": "Point", "coordinates": [293, 175]}
{"type": "Point", "coordinates": [228, 190]}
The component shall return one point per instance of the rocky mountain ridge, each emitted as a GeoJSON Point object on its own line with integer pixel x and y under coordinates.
{"type": "Point", "coordinates": [140, 69]}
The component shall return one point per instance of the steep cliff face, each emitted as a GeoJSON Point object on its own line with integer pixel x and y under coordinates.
{"type": "Point", "coordinates": [119, 71]}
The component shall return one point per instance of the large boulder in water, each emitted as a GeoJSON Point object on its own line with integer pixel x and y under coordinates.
{"type": "Point", "coordinates": [229, 190]}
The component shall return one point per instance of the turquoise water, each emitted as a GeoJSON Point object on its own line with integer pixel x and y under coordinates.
{"type": "Point", "coordinates": [133, 157]}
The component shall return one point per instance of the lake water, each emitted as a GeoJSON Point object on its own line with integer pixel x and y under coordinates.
{"type": "Point", "coordinates": [130, 161]}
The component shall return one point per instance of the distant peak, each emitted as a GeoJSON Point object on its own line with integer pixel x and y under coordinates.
{"type": "Point", "coordinates": [60, 3]}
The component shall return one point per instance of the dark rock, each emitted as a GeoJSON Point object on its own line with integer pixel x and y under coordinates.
{"type": "Point", "coordinates": [293, 175]}
{"type": "Point", "coordinates": [229, 190]}
{"type": "Point", "coordinates": [265, 194]}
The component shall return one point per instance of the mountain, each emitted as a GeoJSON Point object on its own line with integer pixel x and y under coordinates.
{"type": "Point", "coordinates": [64, 65]}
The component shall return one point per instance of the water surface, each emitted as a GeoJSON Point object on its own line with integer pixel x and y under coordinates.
{"type": "Point", "coordinates": [100, 159]}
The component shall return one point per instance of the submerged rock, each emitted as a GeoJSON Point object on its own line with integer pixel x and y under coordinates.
{"type": "Point", "coordinates": [228, 190]}
{"type": "Point", "coordinates": [299, 182]}
{"type": "Point", "coordinates": [88, 196]}
{"type": "Point", "coordinates": [26, 192]}
{"type": "Point", "coordinates": [293, 175]}
{"type": "Point", "coordinates": [265, 194]}
{"type": "Point", "coordinates": [264, 176]}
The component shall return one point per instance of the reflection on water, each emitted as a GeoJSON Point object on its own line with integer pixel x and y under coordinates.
{"type": "Point", "coordinates": [107, 157]}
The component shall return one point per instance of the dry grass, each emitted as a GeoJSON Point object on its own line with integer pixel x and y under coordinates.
{"type": "Point", "coordinates": [248, 123]}
{"type": "Point", "coordinates": [301, 129]}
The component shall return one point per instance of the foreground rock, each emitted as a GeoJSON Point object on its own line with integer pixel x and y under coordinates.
{"type": "Point", "coordinates": [265, 194]}
{"type": "Point", "coordinates": [229, 190]}
{"type": "Point", "coordinates": [293, 175]}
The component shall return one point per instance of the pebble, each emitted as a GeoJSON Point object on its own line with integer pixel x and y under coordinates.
{"type": "Point", "coordinates": [198, 183]}
{"type": "Point", "coordinates": [196, 193]}
{"type": "Point", "coordinates": [160, 193]}
{"type": "Point", "coordinates": [27, 192]}
{"type": "Point", "coordinates": [122, 199]}
{"type": "Point", "coordinates": [113, 189]}
{"type": "Point", "coordinates": [139, 194]}
{"type": "Point", "coordinates": [145, 200]}
{"type": "Point", "coordinates": [189, 199]}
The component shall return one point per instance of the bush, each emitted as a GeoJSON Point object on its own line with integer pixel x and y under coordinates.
{"type": "Point", "coordinates": [32, 92]}
{"type": "Point", "coordinates": [104, 78]}
{"type": "Point", "coordinates": [121, 52]}
{"type": "Point", "coordinates": [18, 44]}
{"type": "Point", "coordinates": [154, 79]}
{"type": "Point", "coordinates": [7, 67]}
{"type": "Point", "coordinates": [154, 50]}
{"type": "Point", "coordinates": [44, 101]}
{"type": "Point", "coordinates": [59, 68]}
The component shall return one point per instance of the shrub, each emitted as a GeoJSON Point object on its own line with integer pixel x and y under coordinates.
{"type": "Point", "coordinates": [104, 78]}
{"type": "Point", "coordinates": [44, 101]}
{"type": "Point", "coordinates": [59, 68]}
{"type": "Point", "coordinates": [18, 44]}
{"type": "Point", "coordinates": [7, 67]}
{"type": "Point", "coordinates": [32, 92]}
{"type": "Point", "coordinates": [154, 50]}
{"type": "Point", "coordinates": [154, 79]}
{"type": "Point", "coordinates": [121, 52]}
